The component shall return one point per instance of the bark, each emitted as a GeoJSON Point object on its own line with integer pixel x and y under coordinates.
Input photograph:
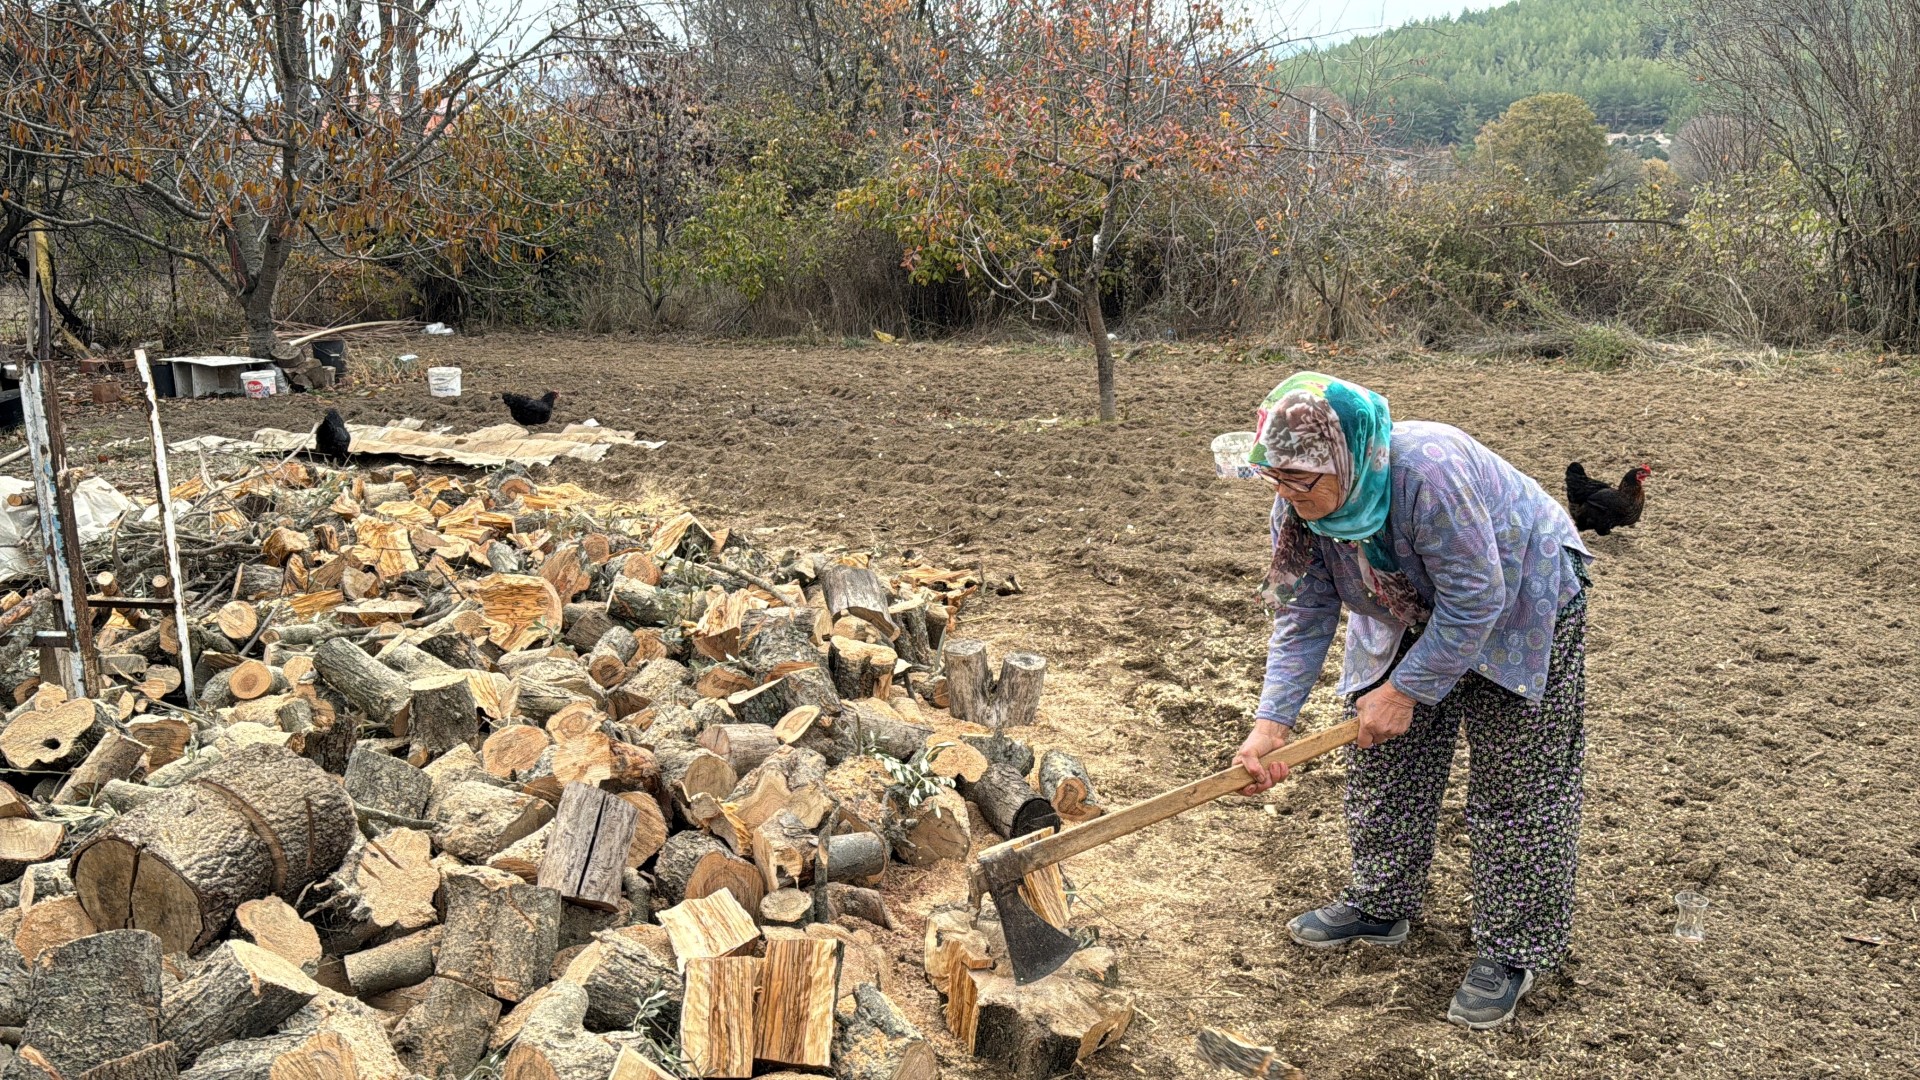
{"type": "Point", "coordinates": [95, 1000]}
{"type": "Point", "coordinates": [262, 822]}
{"type": "Point", "coordinates": [501, 933]}
{"type": "Point", "coordinates": [445, 1036]}
{"type": "Point", "coordinates": [240, 991]}
{"type": "Point", "coordinates": [877, 1042]}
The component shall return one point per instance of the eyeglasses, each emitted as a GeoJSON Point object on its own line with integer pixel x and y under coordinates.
{"type": "Point", "coordinates": [1289, 485]}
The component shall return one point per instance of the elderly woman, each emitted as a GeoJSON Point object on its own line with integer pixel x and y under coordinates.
{"type": "Point", "coordinates": [1464, 584]}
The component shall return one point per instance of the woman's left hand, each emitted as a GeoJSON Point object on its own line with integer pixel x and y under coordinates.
{"type": "Point", "coordinates": [1384, 713]}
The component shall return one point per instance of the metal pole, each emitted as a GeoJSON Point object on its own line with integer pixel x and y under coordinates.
{"type": "Point", "coordinates": [163, 491]}
{"type": "Point", "coordinates": [46, 443]}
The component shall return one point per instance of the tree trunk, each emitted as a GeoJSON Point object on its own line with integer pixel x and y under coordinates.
{"type": "Point", "coordinates": [1102, 348]}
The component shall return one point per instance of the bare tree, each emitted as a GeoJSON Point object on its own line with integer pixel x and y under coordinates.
{"type": "Point", "coordinates": [1832, 84]}
{"type": "Point", "coordinates": [228, 133]}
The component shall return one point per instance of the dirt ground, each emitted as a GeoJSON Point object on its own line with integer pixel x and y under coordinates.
{"type": "Point", "coordinates": [1752, 667]}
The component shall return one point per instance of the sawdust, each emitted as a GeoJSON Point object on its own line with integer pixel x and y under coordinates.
{"type": "Point", "coordinates": [1752, 666]}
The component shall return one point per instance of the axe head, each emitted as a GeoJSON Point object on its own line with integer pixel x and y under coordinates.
{"type": "Point", "coordinates": [1036, 947]}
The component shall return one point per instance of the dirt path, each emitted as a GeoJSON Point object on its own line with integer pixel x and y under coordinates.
{"type": "Point", "coordinates": [1752, 668]}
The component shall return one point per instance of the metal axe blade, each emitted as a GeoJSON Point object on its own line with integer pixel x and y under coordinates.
{"type": "Point", "coordinates": [1036, 946]}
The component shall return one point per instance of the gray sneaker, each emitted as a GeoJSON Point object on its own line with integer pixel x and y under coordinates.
{"type": "Point", "coordinates": [1488, 995]}
{"type": "Point", "coordinates": [1338, 924]}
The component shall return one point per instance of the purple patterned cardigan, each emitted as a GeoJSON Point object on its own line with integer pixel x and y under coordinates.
{"type": "Point", "coordinates": [1483, 544]}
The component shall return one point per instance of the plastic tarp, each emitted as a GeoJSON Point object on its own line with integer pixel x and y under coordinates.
{"type": "Point", "coordinates": [97, 507]}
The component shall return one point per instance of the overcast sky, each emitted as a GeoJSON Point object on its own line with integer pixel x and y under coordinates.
{"type": "Point", "coordinates": [1335, 19]}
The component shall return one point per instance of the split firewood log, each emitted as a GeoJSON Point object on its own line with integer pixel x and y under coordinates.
{"type": "Point", "coordinates": [442, 714]}
{"type": "Point", "coordinates": [114, 757]}
{"type": "Point", "coordinates": [501, 933]}
{"type": "Point", "coordinates": [694, 865]}
{"type": "Point", "coordinates": [708, 926]}
{"type": "Point", "coordinates": [273, 924]}
{"type": "Point", "coordinates": [583, 623]}
{"type": "Point", "coordinates": [1064, 783]}
{"type": "Point", "coordinates": [404, 961]}
{"type": "Point", "coordinates": [371, 686]}
{"type": "Point", "coordinates": [778, 647]}
{"type": "Point", "coordinates": [156, 1062]}
{"type": "Point", "coordinates": [553, 1043]}
{"type": "Point", "coordinates": [859, 592]}
{"type": "Point", "coordinates": [514, 749]}
{"type": "Point", "coordinates": [54, 737]}
{"type": "Point", "coordinates": [445, 1036]}
{"type": "Point", "coordinates": [386, 783]}
{"type": "Point", "coordinates": [743, 746]}
{"type": "Point", "coordinates": [861, 670]}
{"type": "Point", "coordinates": [26, 841]}
{"type": "Point", "coordinates": [607, 663]}
{"type": "Point", "coordinates": [1225, 1050]}
{"type": "Point", "coordinates": [793, 1021]}
{"type": "Point", "coordinates": [476, 820]}
{"type": "Point", "coordinates": [263, 821]}
{"type": "Point", "coordinates": [621, 970]}
{"type": "Point", "coordinates": [239, 991]}
{"type": "Point", "coordinates": [786, 907]}
{"type": "Point", "coordinates": [388, 885]}
{"type": "Point", "coordinates": [587, 847]}
{"type": "Point", "coordinates": [998, 749]}
{"type": "Point", "coordinates": [94, 1000]}
{"type": "Point", "coordinates": [686, 771]}
{"type": "Point", "coordinates": [717, 1019]}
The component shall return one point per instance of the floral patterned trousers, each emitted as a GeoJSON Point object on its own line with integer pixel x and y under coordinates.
{"type": "Point", "coordinates": [1523, 805]}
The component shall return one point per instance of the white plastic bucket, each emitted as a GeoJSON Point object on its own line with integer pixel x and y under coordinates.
{"type": "Point", "coordinates": [1230, 455]}
{"type": "Point", "coordinates": [443, 381]}
{"type": "Point", "coordinates": [261, 382]}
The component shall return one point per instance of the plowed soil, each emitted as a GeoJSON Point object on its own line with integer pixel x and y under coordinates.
{"type": "Point", "coordinates": [1752, 663]}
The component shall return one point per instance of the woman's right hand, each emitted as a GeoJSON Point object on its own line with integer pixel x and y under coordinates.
{"type": "Point", "coordinates": [1266, 737]}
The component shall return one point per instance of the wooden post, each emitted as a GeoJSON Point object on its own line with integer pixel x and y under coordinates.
{"type": "Point", "coordinates": [46, 442]}
{"type": "Point", "coordinates": [169, 537]}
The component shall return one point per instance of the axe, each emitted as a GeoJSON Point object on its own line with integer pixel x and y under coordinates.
{"type": "Point", "coordinates": [1036, 946]}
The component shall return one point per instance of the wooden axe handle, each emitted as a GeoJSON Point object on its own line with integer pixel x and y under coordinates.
{"type": "Point", "coordinates": [1009, 861]}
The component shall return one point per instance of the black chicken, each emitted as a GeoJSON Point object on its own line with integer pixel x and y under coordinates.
{"type": "Point", "coordinates": [1600, 508]}
{"type": "Point", "coordinates": [331, 440]}
{"type": "Point", "coordinates": [530, 412]}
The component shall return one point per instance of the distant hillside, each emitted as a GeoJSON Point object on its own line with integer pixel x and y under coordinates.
{"type": "Point", "coordinates": [1439, 80]}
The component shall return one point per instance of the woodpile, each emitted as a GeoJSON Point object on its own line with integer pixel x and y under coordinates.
{"type": "Point", "coordinates": [497, 771]}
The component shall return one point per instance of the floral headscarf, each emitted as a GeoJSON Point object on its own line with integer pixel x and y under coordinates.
{"type": "Point", "coordinates": [1317, 423]}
